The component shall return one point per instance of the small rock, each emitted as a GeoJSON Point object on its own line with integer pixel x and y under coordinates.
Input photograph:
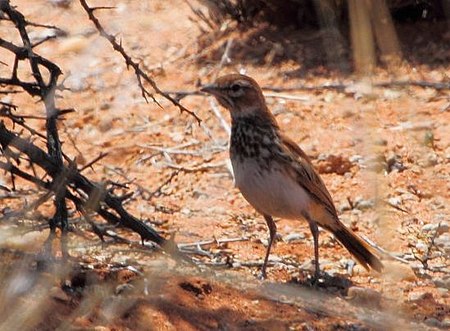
{"type": "Point", "coordinates": [442, 282]}
{"type": "Point", "coordinates": [432, 159]}
{"type": "Point", "coordinates": [358, 158]}
{"type": "Point", "coordinates": [185, 211]}
{"type": "Point", "coordinates": [392, 94]}
{"type": "Point", "coordinates": [446, 323]}
{"type": "Point", "coordinates": [443, 241]}
{"type": "Point", "coordinates": [275, 258]}
{"type": "Point", "coordinates": [416, 169]}
{"type": "Point", "coordinates": [294, 237]}
{"type": "Point", "coordinates": [236, 264]}
{"type": "Point", "coordinates": [429, 227]}
{"type": "Point", "coordinates": [394, 162]}
{"type": "Point", "coordinates": [417, 296]}
{"type": "Point", "coordinates": [395, 201]}
{"type": "Point", "coordinates": [421, 246]}
{"type": "Point", "coordinates": [308, 266]}
{"type": "Point", "coordinates": [61, 3]}
{"type": "Point", "coordinates": [362, 204]}
{"type": "Point", "coordinates": [443, 292]}
{"type": "Point", "coordinates": [431, 321]}
{"type": "Point", "coordinates": [441, 227]}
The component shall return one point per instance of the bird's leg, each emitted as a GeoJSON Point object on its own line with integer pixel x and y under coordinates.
{"type": "Point", "coordinates": [315, 232]}
{"type": "Point", "coordinates": [272, 231]}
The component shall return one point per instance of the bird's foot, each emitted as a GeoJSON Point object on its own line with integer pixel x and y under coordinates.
{"type": "Point", "coordinates": [317, 279]}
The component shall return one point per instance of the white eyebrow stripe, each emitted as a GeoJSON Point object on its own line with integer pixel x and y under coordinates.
{"type": "Point", "coordinates": [243, 83]}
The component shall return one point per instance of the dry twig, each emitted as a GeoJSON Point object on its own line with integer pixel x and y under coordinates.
{"type": "Point", "coordinates": [140, 75]}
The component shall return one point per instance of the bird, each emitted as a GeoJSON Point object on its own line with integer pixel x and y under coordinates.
{"type": "Point", "coordinates": [275, 175]}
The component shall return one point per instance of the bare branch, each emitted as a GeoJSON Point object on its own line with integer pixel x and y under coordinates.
{"type": "Point", "coordinates": [140, 75]}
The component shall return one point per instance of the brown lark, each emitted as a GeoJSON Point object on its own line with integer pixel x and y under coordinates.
{"type": "Point", "coordinates": [274, 175]}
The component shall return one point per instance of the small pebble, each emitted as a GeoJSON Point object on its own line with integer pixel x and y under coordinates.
{"type": "Point", "coordinates": [417, 296]}
{"type": "Point", "coordinates": [395, 201]}
{"type": "Point", "coordinates": [431, 321]}
{"type": "Point", "coordinates": [446, 323]}
{"type": "Point", "coordinates": [363, 204]}
{"type": "Point", "coordinates": [442, 282]}
{"type": "Point", "coordinates": [294, 237]}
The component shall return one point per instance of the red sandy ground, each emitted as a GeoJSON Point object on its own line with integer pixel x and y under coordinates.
{"type": "Point", "coordinates": [112, 117]}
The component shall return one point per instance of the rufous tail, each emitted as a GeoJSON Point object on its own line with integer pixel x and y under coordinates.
{"type": "Point", "coordinates": [358, 248]}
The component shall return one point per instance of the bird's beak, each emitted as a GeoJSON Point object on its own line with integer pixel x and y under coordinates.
{"type": "Point", "coordinates": [211, 89]}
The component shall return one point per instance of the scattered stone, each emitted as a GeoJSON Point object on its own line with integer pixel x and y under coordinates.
{"type": "Point", "coordinates": [431, 321]}
{"type": "Point", "coordinates": [275, 258]}
{"type": "Point", "coordinates": [359, 159]}
{"type": "Point", "coordinates": [428, 227]}
{"type": "Point", "coordinates": [363, 204]}
{"type": "Point", "coordinates": [442, 282]}
{"type": "Point", "coordinates": [443, 292]}
{"type": "Point", "coordinates": [395, 201]}
{"type": "Point", "coordinates": [418, 296]}
{"type": "Point", "coordinates": [392, 94]}
{"type": "Point", "coordinates": [394, 163]}
{"type": "Point", "coordinates": [443, 242]}
{"type": "Point", "coordinates": [416, 169]}
{"type": "Point", "coordinates": [421, 246]}
{"type": "Point", "coordinates": [61, 3]}
{"type": "Point", "coordinates": [432, 159]}
{"type": "Point", "coordinates": [294, 237]}
{"type": "Point", "coordinates": [236, 264]}
{"type": "Point", "coordinates": [446, 323]}
{"type": "Point", "coordinates": [441, 227]}
{"type": "Point", "coordinates": [186, 211]}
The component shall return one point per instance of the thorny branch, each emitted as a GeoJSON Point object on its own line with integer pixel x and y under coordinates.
{"type": "Point", "coordinates": [64, 181]}
{"type": "Point", "coordinates": [78, 182]}
{"type": "Point", "coordinates": [46, 91]}
{"type": "Point", "coordinates": [140, 74]}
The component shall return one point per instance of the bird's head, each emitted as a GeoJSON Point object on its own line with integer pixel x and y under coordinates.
{"type": "Point", "coordinates": [240, 94]}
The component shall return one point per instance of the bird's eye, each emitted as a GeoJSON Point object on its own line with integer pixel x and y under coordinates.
{"type": "Point", "coordinates": [235, 87]}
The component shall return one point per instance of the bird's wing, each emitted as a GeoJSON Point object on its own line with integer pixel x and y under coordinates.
{"type": "Point", "coordinates": [308, 177]}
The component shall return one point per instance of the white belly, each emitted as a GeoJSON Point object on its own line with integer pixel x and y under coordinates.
{"type": "Point", "coordinates": [271, 193]}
